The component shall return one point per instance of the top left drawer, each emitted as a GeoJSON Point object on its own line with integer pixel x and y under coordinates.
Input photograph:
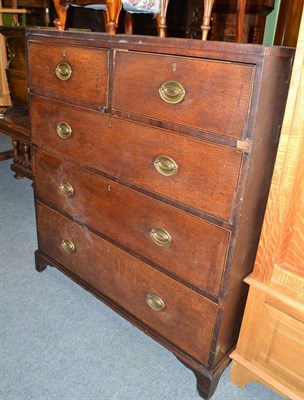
{"type": "Point", "coordinates": [69, 71]}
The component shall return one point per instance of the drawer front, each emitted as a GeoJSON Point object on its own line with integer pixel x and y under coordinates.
{"type": "Point", "coordinates": [183, 244]}
{"type": "Point", "coordinates": [208, 95]}
{"type": "Point", "coordinates": [130, 283]}
{"type": "Point", "coordinates": [88, 67]}
{"type": "Point", "coordinates": [202, 175]}
{"type": "Point", "coordinates": [279, 327]}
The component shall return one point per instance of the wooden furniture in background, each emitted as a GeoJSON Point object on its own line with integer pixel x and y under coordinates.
{"type": "Point", "coordinates": [114, 7]}
{"type": "Point", "coordinates": [165, 225]}
{"type": "Point", "coordinates": [15, 120]}
{"type": "Point", "coordinates": [11, 7]}
{"type": "Point", "coordinates": [270, 348]}
{"type": "Point", "coordinates": [37, 11]}
{"type": "Point", "coordinates": [232, 20]}
{"type": "Point", "coordinates": [16, 125]}
{"type": "Point", "coordinates": [288, 23]}
{"type": "Point", "coordinates": [5, 99]}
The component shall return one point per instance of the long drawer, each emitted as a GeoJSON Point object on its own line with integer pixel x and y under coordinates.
{"type": "Point", "coordinates": [62, 71]}
{"type": "Point", "coordinates": [200, 174]}
{"type": "Point", "coordinates": [168, 307]}
{"type": "Point", "coordinates": [179, 242]}
{"type": "Point", "coordinates": [204, 94]}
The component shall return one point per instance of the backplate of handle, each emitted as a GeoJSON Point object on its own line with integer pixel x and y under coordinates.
{"type": "Point", "coordinates": [165, 165]}
{"type": "Point", "coordinates": [68, 246]}
{"type": "Point", "coordinates": [64, 130]}
{"type": "Point", "coordinates": [172, 92]}
{"type": "Point", "coordinates": [66, 189]}
{"type": "Point", "coordinates": [155, 302]}
{"type": "Point", "coordinates": [63, 71]}
{"type": "Point", "coordinates": [160, 236]}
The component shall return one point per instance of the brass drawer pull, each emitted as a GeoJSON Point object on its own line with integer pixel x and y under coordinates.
{"type": "Point", "coordinates": [165, 165]}
{"type": "Point", "coordinates": [68, 246]}
{"type": "Point", "coordinates": [155, 302]}
{"type": "Point", "coordinates": [64, 130]}
{"type": "Point", "coordinates": [66, 189]}
{"type": "Point", "coordinates": [172, 92]}
{"type": "Point", "coordinates": [63, 71]}
{"type": "Point", "coordinates": [160, 236]}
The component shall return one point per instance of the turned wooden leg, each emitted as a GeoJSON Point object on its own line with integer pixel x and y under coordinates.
{"type": "Point", "coordinates": [16, 156]}
{"type": "Point", "coordinates": [40, 262]}
{"type": "Point", "coordinates": [113, 10]}
{"type": "Point", "coordinates": [240, 15]}
{"type": "Point", "coordinates": [161, 25]}
{"type": "Point", "coordinates": [61, 11]}
{"type": "Point", "coordinates": [26, 154]}
{"type": "Point", "coordinates": [128, 23]}
{"type": "Point", "coordinates": [15, 144]}
{"type": "Point", "coordinates": [162, 19]}
{"type": "Point", "coordinates": [208, 4]}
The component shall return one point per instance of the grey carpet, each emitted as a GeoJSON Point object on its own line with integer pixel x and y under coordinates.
{"type": "Point", "coordinates": [58, 342]}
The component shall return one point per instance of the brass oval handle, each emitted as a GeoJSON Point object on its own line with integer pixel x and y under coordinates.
{"type": "Point", "coordinates": [172, 92]}
{"type": "Point", "coordinates": [68, 246]}
{"type": "Point", "coordinates": [165, 165]}
{"type": "Point", "coordinates": [155, 302]}
{"type": "Point", "coordinates": [160, 236]}
{"type": "Point", "coordinates": [64, 130]}
{"type": "Point", "coordinates": [63, 71]}
{"type": "Point", "coordinates": [66, 189]}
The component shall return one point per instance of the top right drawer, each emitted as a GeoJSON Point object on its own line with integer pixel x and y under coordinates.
{"type": "Point", "coordinates": [207, 95]}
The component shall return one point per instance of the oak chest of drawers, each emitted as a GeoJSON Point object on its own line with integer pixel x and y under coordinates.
{"type": "Point", "coordinates": [152, 163]}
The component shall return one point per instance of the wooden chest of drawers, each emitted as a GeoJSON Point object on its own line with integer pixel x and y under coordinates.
{"type": "Point", "coordinates": [152, 163]}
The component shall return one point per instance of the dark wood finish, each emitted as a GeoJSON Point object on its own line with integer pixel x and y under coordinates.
{"type": "Point", "coordinates": [15, 121]}
{"type": "Point", "coordinates": [113, 207]}
{"type": "Point", "coordinates": [22, 159]}
{"type": "Point", "coordinates": [288, 23]}
{"type": "Point", "coordinates": [89, 76]}
{"type": "Point", "coordinates": [231, 20]}
{"type": "Point", "coordinates": [198, 77]}
{"type": "Point", "coordinates": [240, 15]}
{"type": "Point", "coordinates": [38, 11]}
{"type": "Point", "coordinates": [126, 280]}
{"type": "Point", "coordinates": [16, 70]}
{"type": "Point", "coordinates": [40, 262]}
{"type": "Point", "coordinates": [121, 139]}
{"type": "Point", "coordinates": [6, 155]}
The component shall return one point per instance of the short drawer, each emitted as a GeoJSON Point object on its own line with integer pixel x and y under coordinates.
{"type": "Point", "coordinates": [69, 71]}
{"type": "Point", "coordinates": [208, 95]}
{"type": "Point", "coordinates": [202, 175]}
{"type": "Point", "coordinates": [182, 316]}
{"type": "Point", "coordinates": [180, 243]}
